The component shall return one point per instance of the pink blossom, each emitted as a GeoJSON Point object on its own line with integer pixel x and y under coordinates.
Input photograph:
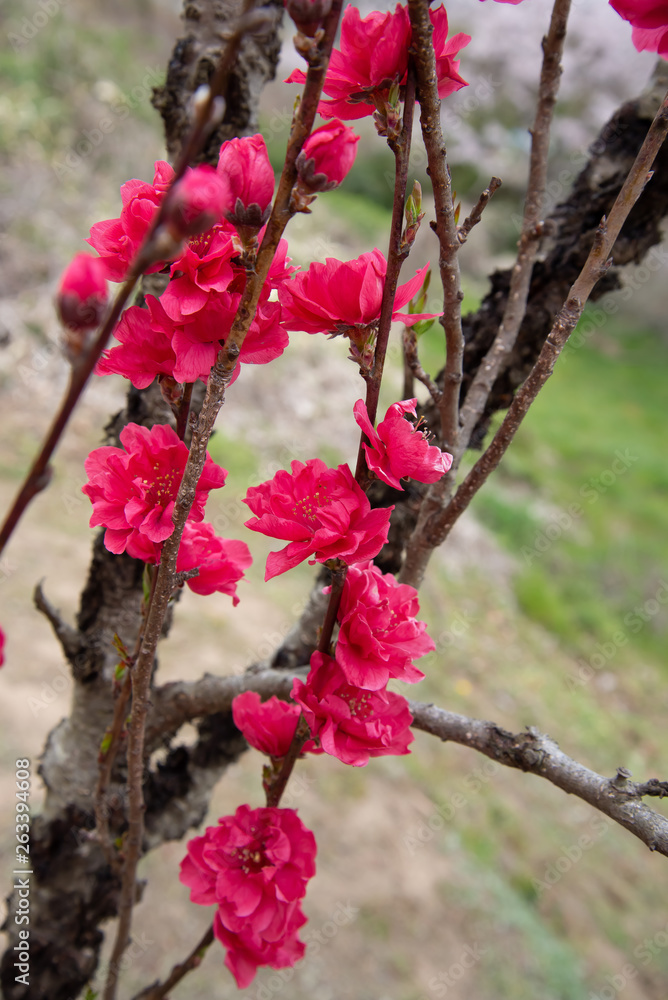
{"type": "Point", "coordinates": [344, 297]}
{"type": "Point", "coordinates": [221, 561]}
{"type": "Point", "coordinates": [374, 56]}
{"type": "Point", "coordinates": [2, 647]}
{"type": "Point", "coordinates": [118, 240]}
{"type": "Point", "coordinates": [82, 294]}
{"type": "Point", "coordinates": [144, 352]}
{"type": "Point", "coordinates": [197, 202]}
{"type": "Point", "coordinates": [133, 488]}
{"type": "Point", "coordinates": [268, 726]}
{"type": "Point", "coordinates": [203, 267]}
{"type": "Point", "coordinates": [350, 722]}
{"type": "Point", "coordinates": [649, 19]}
{"type": "Point", "coordinates": [255, 866]}
{"type": "Point", "coordinates": [447, 66]}
{"type": "Point", "coordinates": [379, 635]}
{"type": "Point", "coordinates": [152, 343]}
{"type": "Point", "coordinates": [244, 163]}
{"type": "Point", "coordinates": [398, 448]}
{"type": "Point", "coordinates": [276, 945]}
{"type": "Point", "coordinates": [327, 156]}
{"type": "Point", "coordinates": [321, 511]}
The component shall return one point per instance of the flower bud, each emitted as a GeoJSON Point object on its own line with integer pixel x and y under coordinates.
{"type": "Point", "coordinates": [82, 294]}
{"type": "Point", "coordinates": [308, 15]}
{"type": "Point", "coordinates": [245, 166]}
{"type": "Point", "coordinates": [327, 156]}
{"type": "Point", "coordinates": [197, 202]}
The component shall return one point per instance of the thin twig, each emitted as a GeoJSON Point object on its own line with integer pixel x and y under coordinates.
{"type": "Point", "coordinates": [476, 215]}
{"type": "Point", "coordinates": [401, 147]}
{"type": "Point", "coordinates": [114, 733]}
{"type": "Point", "coordinates": [159, 990]}
{"type": "Point", "coordinates": [412, 362]}
{"type": "Point", "coordinates": [445, 225]}
{"type": "Point", "coordinates": [518, 293]}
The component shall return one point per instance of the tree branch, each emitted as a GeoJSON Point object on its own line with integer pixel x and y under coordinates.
{"type": "Point", "coordinates": [439, 494]}
{"type": "Point", "coordinates": [445, 225]}
{"type": "Point", "coordinates": [618, 797]}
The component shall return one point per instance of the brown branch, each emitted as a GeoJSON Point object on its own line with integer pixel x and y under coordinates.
{"type": "Point", "coordinates": [412, 363]}
{"type": "Point", "coordinates": [476, 397]}
{"type": "Point", "coordinates": [396, 254]}
{"type": "Point", "coordinates": [476, 215]}
{"type": "Point", "coordinates": [159, 990]}
{"type": "Point", "coordinates": [174, 704]}
{"type": "Point", "coordinates": [445, 225]}
{"type": "Point", "coordinates": [418, 553]}
{"type": "Point", "coordinates": [595, 267]}
{"type": "Point", "coordinates": [431, 533]}
{"type": "Point", "coordinates": [617, 797]}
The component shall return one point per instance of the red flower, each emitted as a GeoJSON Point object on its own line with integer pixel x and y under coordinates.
{"type": "Point", "coordinates": [321, 511]}
{"type": "Point", "coordinates": [447, 66]}
{"type": "Point", "coordinates": [145, 351]}
{"type": "Point", "coordinates": [2, 647]}
{"type": "Point", "coordinates": [197, 202]}
{"type": "Point", "coordinates": [244, 163]}
{"type": "Point", "coordinates": [133, 488]}
{"type": "Point", "coordinates": [268, 726]}
{"type": "Point", "coordinates": [118, 240]}
{"type": "Point", "coordinates": [327, 156]}
{"type": "Point", "coordinates": [82, 293]}
{"type": "Point", "coordinates": [379, 635]}
{"type": "Point", "coordinates": [255, 866]}
{"type": "Point", "coordinates": [398, 449]}
{"type": "Point", "coordinates": [351, 723]}
{"type": "Point", "coordinates": [203, 267]}
{"type": "Point", "coordinates": [649, 19]}
{"type": "Point", "coordinates": [221, 561]}
{"type": "Point", "coordinates": [374, 56]}
{"type": "Point", "coordinates": [152, 343]}
{"type": "Point", "coordinates": [344, 297]}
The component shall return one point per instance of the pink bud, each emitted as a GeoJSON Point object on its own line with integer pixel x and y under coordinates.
{"type": "Point", "coordinates": [82, 294]}
{"type": "Point", "coordinates": [308, 15]}
{"type": "Point", "coordinates": [197, 202]}
{"type": "Point", "coordinates": [245, 165]}
{"type": "Point", "coordinates": [327, 156]}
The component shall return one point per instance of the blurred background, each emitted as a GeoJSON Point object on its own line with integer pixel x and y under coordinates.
{"type": "Point", "coordinates": [440, 874]}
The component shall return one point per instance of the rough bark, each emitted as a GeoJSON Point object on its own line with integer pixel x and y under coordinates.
{"type": "Point", "coordinates": [192, 64]}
